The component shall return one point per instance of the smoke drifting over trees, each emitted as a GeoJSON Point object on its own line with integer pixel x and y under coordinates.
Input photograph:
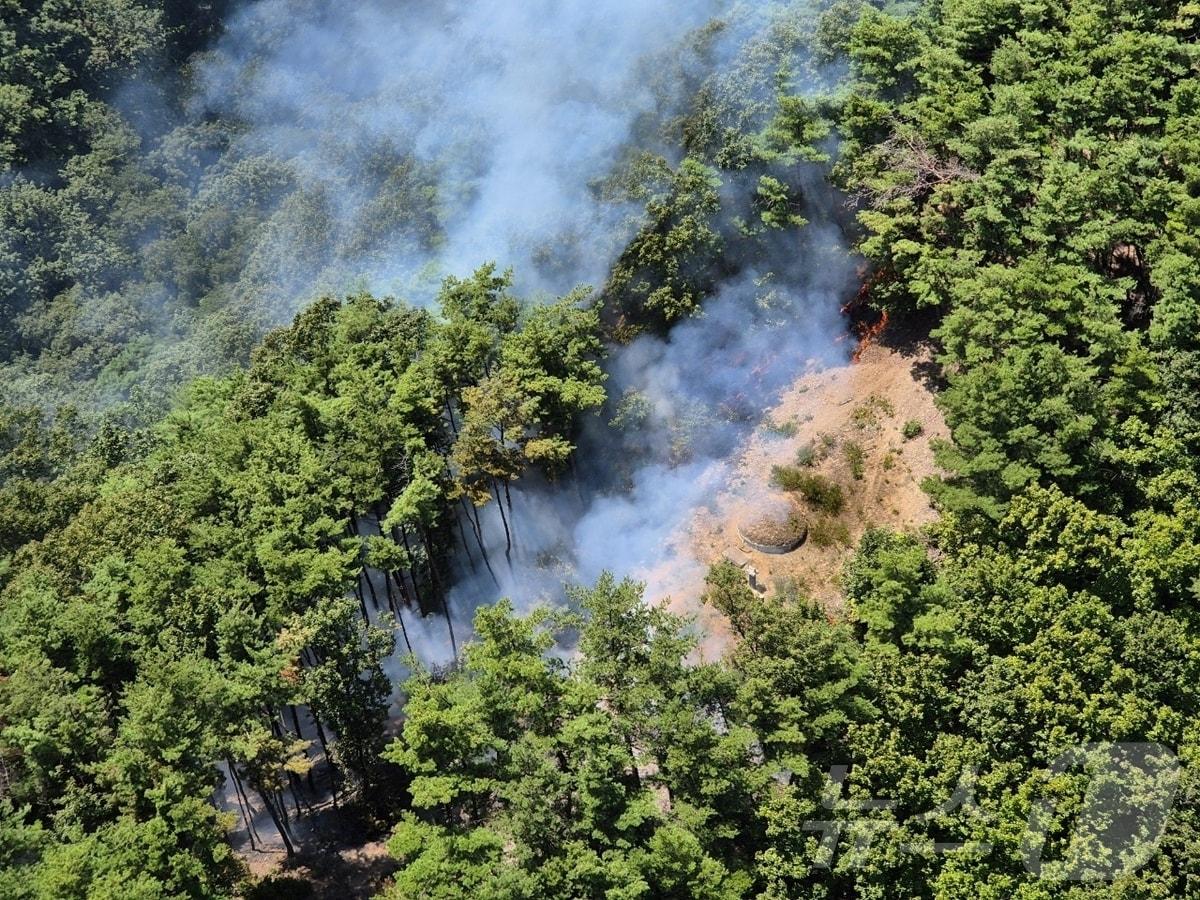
{"type": "Point", "coordinates": [496, 121]}
{"type": "Point", "coordinates": [523, 134]}
{"type": "Point", "coordinates": [353, 356]}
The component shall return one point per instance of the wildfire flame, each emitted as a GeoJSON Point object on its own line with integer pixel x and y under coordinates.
{"type": "Point", "coordinates": [866, 327]}
{"type": "Point", "coordinates": [867, 335]}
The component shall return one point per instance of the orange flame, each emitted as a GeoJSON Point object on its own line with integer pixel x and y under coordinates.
{"type": "Point", "coordinates": [863, 323]}
{"type": "Point", "coordinates": [867, 335]}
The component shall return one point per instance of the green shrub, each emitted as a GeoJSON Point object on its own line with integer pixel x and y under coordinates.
{"type": "Point", "coordinates": [787, 477]}
{"type": "Point", "coordinates": [868, 413]}
{"type": "Point", "coordinates": [816, 489]}
{"type": "Point", "coordinates": [826, 532]}
{"type": "Point", "coordinates": [856, 457]}
{"type": "Point", "coordinates": [912, 428]}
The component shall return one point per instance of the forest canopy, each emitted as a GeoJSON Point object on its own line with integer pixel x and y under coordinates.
{"type": "Point", "coordinates": [239, 485]}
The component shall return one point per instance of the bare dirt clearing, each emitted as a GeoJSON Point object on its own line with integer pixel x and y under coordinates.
{"type": "Point", "coordinates": [865, 426]}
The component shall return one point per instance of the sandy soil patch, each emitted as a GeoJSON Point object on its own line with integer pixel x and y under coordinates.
{"type": "Point", "coordinates": [848, 423]}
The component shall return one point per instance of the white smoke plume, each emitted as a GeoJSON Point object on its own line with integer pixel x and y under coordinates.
{"type": "Point", "coordinates": [500, 118]}
{"type": "Point", "coordinates": [498, 115]}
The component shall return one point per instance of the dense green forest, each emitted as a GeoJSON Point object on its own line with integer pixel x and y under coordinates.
{"type": "Point", "coordinates": [221, 537]}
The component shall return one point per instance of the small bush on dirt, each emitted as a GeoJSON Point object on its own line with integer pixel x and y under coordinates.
{"type": "Point", "coordinates": [868, 413]}
{"type": "Point", "coordinates": [784, 429]}
{"type": "Point", "coordinates": [787, 477]}
{"type": "Point", "coordinates": [829, 533]}
{"type": "Point", "coordinates": [912, 428]}
{"type": "Point", "coordinates": [856, 457]}
{"type": "Point", "coordinates": [816, 489]}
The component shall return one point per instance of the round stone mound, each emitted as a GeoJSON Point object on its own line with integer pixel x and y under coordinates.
{"type": "Point", "coordinates": [776, 526]}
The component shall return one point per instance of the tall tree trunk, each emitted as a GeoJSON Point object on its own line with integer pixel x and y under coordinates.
{"type": "Point", "coordinates": [462, 532]}
{"type": "Point", "coordinates": [402, 599]}
{"type": "Point", "coordinates": [333, 770]}
{"type": "Point", "coordinates": [504, 520]}
{"type": "Point", "coordinates": [507, 495]}
{"type": "Point", "coordinates": [366, 574]}
{"type": "Point", "coordinates": [473, 516]}
{"type": "Point", "coordinates": [412, 572]}
{"type": "Point", "coordinates": [280, 823]}
{"type": "Point", "coordinates": [243, 803]}
{"type": "Point", "coordinates": [450, 626]}
{"type": "Point", "coordinates": [293, 781]}
{"type": "Point", "coordinates": [399, 615]}
{"type": "Point", "coordinates": [437, 587]}
{"type": "Point", "coordinates": [390, 593]}
{"type": "Point", "coordinates": [362, 603]}
{"type": "Point", "coordinates": [457, 521]}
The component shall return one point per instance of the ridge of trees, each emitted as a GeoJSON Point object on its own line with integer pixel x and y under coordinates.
{"type": "Point", "coordinates": [190, 608]}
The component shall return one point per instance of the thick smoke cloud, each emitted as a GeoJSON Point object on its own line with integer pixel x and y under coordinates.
{"type": "Point", "coordinates": [498, 116]}
{"type": "Point", "coordinates": [429, 138]}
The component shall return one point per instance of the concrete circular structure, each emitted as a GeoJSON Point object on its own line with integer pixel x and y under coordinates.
{"type": "Point", "coordinates": [775, 526]}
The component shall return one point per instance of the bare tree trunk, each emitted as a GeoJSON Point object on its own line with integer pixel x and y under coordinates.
{"type": "Point", "coordinates": [293, 781]}
{"type": "Point", "coordinates": [280, 824]}
{"type": "Point", "coordinates": [507, 495]}
{"type": "Point", "coordinates": [333, 770]}
{"type": "Point", "coordinates": [437, 587]}
{"type": "Point", "coordinates": [504, 520]}
{"type": "Point", "coordinates": [473, 516]}
{"type": "Point", "coordinates": [366, 574]}
{"type": "Point", "coordinates": [462, 532]}
{"type": "Point", "coordinates": [412, 568]}
{"type": "Point", "coordinates": [243, 803]}
{"type": "Point", "coordinates": [396, 608]}
{"type": "Point", "coordinates": [450, 626]}
{"type": "Point", "coordinates": [390, 593]}
{"type": "Point", "coordinates": [362, 603]}
{"type": "Point", "coordinates": [457, 521]}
